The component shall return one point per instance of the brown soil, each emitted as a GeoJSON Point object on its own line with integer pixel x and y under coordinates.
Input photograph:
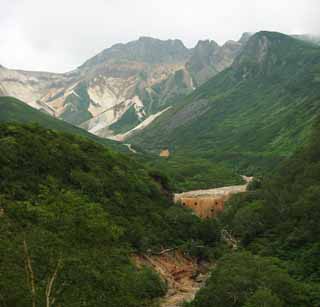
{"type": "Point", "coordinates": [183, 275]}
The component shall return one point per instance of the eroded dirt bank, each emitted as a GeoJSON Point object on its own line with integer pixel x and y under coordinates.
{"type": "Point", "coordinates": [183, 275]}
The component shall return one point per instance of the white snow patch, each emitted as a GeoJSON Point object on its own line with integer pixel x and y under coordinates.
{"type": "Point", "coordinates": [107, 118]}
{"type": "Point", "coordinates": [141, 126]}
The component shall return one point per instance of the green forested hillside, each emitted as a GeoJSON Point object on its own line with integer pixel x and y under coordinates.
{"type": "Point", "coordinates": [72, 212]}
{"type": "Point", "coordinates": [277, 226]}
{"type": "Point", "coordinates": [250, 115]}
{"type": "Point", "coordinates": [14, 110]}
{"type": "Point", "coordinates": [183, 174]}
{"type": "Point", "coordinates": [189, 173]}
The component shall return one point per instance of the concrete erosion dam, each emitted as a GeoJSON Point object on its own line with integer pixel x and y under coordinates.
{"type": "Point", "coordinates": [208, 203]}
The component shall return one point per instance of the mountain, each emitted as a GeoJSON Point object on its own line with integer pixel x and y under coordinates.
{"type": "Point", "coordinates": [208, 59]}
{"type": "Point", "coordinates": [260, 108]}
{"type": "Point", "coordinates": [14, 110]}
{"type": "Point", "coordinates": [74, 214]}
{"type": "Point", "coordinates": [122, 86]}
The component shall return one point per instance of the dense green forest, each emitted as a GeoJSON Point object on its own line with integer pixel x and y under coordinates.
{"type": "Point", "coordinates": [184, 175]}
{"type": "Point", "coordinates": [72, 212]}
{"type": "Point", "coordinates": [277, 227]}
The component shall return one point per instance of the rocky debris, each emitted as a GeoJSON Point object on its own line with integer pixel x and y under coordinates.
{"type": "Point", "coordinates": [208, 59]}
{"type": "Point", "coordinates": [145, 123]}
{"type": "Point", "coordinates": [183, 275]}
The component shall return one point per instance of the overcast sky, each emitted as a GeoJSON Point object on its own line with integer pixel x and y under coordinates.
{"type": "Point", "coordinates": [58, 35]}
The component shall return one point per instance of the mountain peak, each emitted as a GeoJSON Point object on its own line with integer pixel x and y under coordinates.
{"type": "Point", "coordinates": [145, 49]}
{"type": "Point", "coordinates": [206, 43]}
{"type": "Point", "coordinates": [266, 52]}
{"type": "Point", "coordinates": [245, 37]}
{"type": "Point", "coordinates": [158, 43]}
{"type": "Point", "coordinates": [147, 38]}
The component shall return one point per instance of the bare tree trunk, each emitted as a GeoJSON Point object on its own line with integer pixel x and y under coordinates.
{"type": "Point", "coordinates": [164, 251]}
{"type": "Point", "coordinates": [30, 273]}
{"type": "Point", "coordinates": [51, 281]}
{"type": "Point", "coordinates": [231, 241]}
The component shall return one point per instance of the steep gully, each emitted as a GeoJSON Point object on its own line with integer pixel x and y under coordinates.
{"type": "Point", "coordinates": [184, 275]}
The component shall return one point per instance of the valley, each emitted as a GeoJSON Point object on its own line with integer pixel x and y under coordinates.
{"type": "Point", "coordinates": [120, 180]}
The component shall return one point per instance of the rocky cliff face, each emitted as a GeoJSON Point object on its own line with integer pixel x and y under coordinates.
{"type": "Point", "coordinates": [208, 59]}
{"type": "Point", "coordinates": [122, 86]}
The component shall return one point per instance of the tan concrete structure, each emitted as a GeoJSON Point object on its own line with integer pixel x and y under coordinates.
{"type": "Point", "coordinates": [208, 203]}
{"type": "Point", "coordinates": [165, 153]}
{"type": "Point", "coordinates": [205, 207]}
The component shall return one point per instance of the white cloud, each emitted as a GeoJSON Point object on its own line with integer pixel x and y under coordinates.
{"type": "Point", "coordinates": [59, 35]}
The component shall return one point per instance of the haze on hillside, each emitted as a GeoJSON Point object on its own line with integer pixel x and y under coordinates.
{"type": "Point", "coordinates": [60, 35]}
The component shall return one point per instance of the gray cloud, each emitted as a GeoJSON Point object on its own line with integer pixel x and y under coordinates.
{"type": "Point", "coordinates": [59, 35]}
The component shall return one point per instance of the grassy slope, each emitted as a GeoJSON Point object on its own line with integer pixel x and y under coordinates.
{"type": "Point", "coordinates": [185, 173]}
{"type": "Point", "coordinates": [14, 110]}
{"type": "Point", "coordinates": [257, 111]}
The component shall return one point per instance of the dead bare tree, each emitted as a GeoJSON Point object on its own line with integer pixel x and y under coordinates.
{"type": "Point", "coordinates": [231, 241]}
{"type": "Point", "coordinates": [49, 301]}
{"type": "Point", "coordinates": [31, 280]}
{"type": "Point", "coordinates": [30, 273]}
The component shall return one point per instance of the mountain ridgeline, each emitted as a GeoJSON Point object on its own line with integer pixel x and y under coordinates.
{"type": "Point", "coordinates": [253, 113]}
{"type": "Point", "coordinates": [122, 86]}
{"type": "Point", "coordinates": [16, 111]}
